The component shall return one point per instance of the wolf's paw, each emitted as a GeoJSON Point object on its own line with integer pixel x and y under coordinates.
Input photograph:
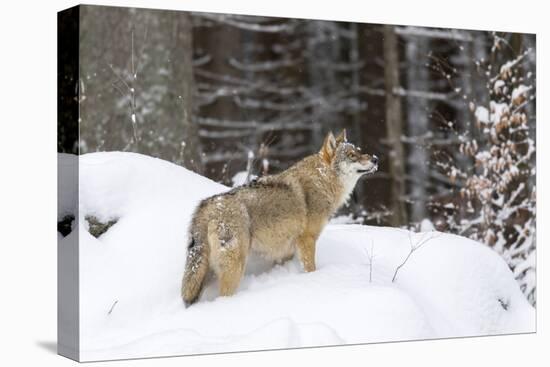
{"type": "Point", "coordinates": [308, 268]}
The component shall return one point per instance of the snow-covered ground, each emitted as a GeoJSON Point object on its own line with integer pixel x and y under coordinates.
{"type": "Point", "coordinates": [130, 278]}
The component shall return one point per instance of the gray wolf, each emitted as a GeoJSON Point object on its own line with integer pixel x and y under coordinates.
{"type": "Point", "coordinates": [275, 216]}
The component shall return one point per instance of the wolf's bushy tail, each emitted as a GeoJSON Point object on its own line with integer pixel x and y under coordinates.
{"type": "Point", "coordinates": [196, 269]}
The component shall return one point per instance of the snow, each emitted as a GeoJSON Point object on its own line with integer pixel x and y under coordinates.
{"type": "Point", "coordinates": [499, 84]}
{"type": "Point", "coordinates": [520, 91]}
{"type": "Point", "coordinates": [497, 111]}
{"type": "Point", "coordinates": [426, 225]}
{"type": "Point", "coordinates": [482, 114]}
{"type": "Point", "coordinates": [130, 278]}
{"type": "Point", "coordinates": [241, 177]}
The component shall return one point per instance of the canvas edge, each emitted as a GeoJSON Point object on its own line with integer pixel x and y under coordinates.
{"type": "Point", "coordinates": [68, 313]}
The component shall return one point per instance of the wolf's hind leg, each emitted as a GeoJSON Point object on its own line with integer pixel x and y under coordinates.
{"type": "Point", "coordinates": [230, 276]}
{"type": "Point", "coordinates": [231, 265]}
{"type": "Point", "coordinates": [229, 250]}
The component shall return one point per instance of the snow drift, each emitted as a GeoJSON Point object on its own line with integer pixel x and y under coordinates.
{"type": "Point", "coordinates": [130, 303]}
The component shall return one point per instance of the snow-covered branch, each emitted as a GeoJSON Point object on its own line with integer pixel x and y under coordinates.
{"type": "Point", "coordinates": [448, 34]}
{"type": "Point", "coordinates": [238, 22]}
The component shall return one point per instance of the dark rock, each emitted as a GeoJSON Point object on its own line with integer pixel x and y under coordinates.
{"type": "Point", "coordinates": [65, 225]}
{"type": "Point", "coordinates": [96, 227]}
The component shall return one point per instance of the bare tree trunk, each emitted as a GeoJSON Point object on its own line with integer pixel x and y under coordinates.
{"type": "Point", "coordinates": [355, 83]}
{"type": "Point", "coordinates": [221, 43]}
{"type": "Point", "coordinates": [356, 125]}
{"type": "Point", "coordinates": [319, 78]}
{"type": "Point", "coordinates": [393, 123]}
{"type": "Point", "coordinates": [182, 61]}
{"type": "Point", "coordinates": [417, 124]}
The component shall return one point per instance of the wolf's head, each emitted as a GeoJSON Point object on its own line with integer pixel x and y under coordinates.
{"type": "Point", "coordinates": [347, 159]}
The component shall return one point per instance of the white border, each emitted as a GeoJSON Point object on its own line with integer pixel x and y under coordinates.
{"type": "Point", "coordinates": [28, 181]}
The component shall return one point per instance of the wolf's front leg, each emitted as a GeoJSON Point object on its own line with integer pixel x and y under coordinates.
{"type": "Point", "coordinates": [306, 251]}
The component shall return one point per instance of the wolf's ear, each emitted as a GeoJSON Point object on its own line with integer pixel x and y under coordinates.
{"type": "Point", "coordinates": [341, 138]}
{"type": "Point", "coordinates": [328, 148]}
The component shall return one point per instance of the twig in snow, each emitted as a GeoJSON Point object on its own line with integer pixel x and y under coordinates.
{"type": "Point", "coordinates": [112, 307]}
{"type": "Point", "coordinates": [370, 256]}
{"type": "Point", "coordinates": [414, 247]}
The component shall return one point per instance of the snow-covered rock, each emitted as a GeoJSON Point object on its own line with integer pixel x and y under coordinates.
{"type": "Point", "coordinates": [130, 278]}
